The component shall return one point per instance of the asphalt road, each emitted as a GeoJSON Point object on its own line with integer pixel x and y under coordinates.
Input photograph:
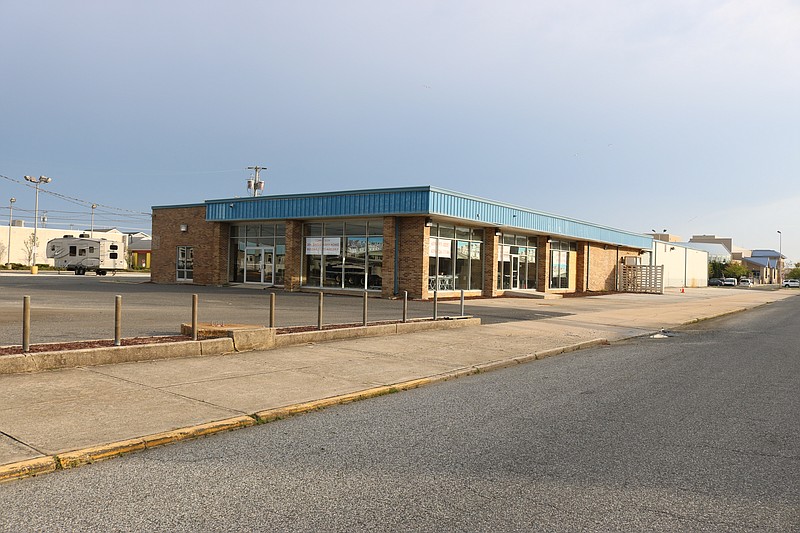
{"type": "Point", "coordinates": [67, 308]}
{"type": "Point", "coordinates": [697, 431]}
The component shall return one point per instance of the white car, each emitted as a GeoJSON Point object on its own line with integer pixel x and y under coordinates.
{"type": "Point", "coordinates": [791, 283]}
{"type": "Point", "coordinates": [729, 281]}
{"type": "Point", "coordinates": [745, 283]}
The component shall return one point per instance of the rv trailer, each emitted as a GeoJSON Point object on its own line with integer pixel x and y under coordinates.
{"type": "Point", "coordinates": [85, 254]}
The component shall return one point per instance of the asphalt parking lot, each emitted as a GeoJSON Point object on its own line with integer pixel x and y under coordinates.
{"type": "Point", "coordinates": [65, 307]}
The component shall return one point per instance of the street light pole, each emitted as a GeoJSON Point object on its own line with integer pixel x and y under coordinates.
{"type": "Point", "coordinates": [37, 183]}
{"type": "Point", "coordinates": [91, 234]}
{"type": "Point", "coordinates": [780, 258]}
{"type": "Point", "coordinates": [10, 220]}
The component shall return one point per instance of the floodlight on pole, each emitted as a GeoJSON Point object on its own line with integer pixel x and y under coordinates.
{"type": "Point", "coordinates": [255, 184]}
{"type": "Point", "coordinates": [10, 220]}
{"type": "Point", "coordinates": [36, 182]}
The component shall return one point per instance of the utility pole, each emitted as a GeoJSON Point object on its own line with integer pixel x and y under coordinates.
{"type": "Point", "coordinates": [256, 184]}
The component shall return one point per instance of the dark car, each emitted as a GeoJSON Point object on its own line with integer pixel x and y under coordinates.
{"type": "Point", "coordinates": [715, 282]}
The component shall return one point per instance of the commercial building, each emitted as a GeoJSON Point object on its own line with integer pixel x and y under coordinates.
{"type": "Point", "coordinates": [387, 241]}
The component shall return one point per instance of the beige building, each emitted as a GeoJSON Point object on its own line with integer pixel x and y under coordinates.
{"type": "Point", "coordinates": [20, 237]}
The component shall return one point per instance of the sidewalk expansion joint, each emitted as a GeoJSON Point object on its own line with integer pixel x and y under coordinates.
{"type": "Point", "coordinates": [12, 437]}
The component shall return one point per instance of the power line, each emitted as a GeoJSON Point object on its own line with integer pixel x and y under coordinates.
{"type": "Point", "coordinates": [70, 199]}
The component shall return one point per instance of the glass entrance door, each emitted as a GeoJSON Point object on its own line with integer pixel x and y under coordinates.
{"type": "Point", "coordinates": [515, 272]}
{"type": "Point", "coordinates": [259, 265]}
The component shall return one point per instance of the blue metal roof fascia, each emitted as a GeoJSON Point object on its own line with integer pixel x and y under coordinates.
{"type": "Point", "coordinates": [378, 202]}
{"type": "Point", "coordinates": [451, 204]}
{"type": "Point", "coordinates": [423, 200]}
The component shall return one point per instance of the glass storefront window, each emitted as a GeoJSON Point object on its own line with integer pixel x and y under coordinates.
{"type": "Point", "coordinates": [345, 252]}
{"type": "Point", "coordinates": [454, 264]}
{"type": "Point", "coordinates": [312, 229]}
{"type": "Point", "coordinates": [516, 262]}
{"type": "Point", "coordinates": [559, 264]}
{"type": "Point", "coordinates": [258, 253]}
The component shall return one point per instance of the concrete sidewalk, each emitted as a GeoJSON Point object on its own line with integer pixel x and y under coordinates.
{"type": "Point", "coordinates": [64, 418]}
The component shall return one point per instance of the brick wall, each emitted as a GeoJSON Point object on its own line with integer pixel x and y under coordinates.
{"type": "Point", "coordinates": [603, 265]}
{"type": "Point", "coordinates": [387, 269]}
{"type": "Point", "coordinates": [414, 237]}
{"type": "Point", "coordinates": [489, 262]}
{"type": "Point", "coordinates": [543, 264]}
{"type": "Point", "coordinates": [208, 239]}
{"type": "Point", "coordinates": [294, 255]}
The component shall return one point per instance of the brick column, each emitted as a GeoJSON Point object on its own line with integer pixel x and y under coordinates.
{"type": "Point", "coordinates": [413, 256]}
{"type": "Point", "coordinates": [387, 268]}
{"type": "Point", "coordinates": [490, 258]}
{"type": "Point", "coordinates": [581, 266]}
{"type": "Point", "coordinates": [543, 264]}
{"type": "Point", "coordinates": [294, 255]}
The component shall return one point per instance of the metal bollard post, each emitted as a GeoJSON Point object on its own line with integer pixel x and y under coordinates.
{"type": "Point", "coordinates": [194, 317]}
{"type": "Point", "coordinates": [26, 324]}
{"type": "Point", "coordinates": [365, 308]}
{"type": "Point", "coordinates": [117, 320]}
{"type": "Point", "coordinates": [405, 306]}
{"type": "Point", "coordinates": [435, 305]}
{"type": "Point", "coordinates": [272, 309]}
{"type": "Point", "coordinates": [319, 313]}
{"type": "Point", "coordinates": [462, 302]}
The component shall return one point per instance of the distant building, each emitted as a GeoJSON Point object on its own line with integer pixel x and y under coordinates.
{"type": "Point", "coordinates": [20, 250]}
{"type": "Point", "coordinates": [766, 265]}
{"type": "Point", "coordinates": [716, 252]}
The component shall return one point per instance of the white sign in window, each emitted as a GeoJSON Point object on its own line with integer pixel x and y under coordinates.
{"type": "Point", "coordinates": [332, 246]}
{"type": "Point", "coordinates": [314, 246]}
{"type": "Point", "coordinates": [440, 247]}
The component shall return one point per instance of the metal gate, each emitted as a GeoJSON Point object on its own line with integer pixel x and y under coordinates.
{"type": "Point", "coordinates": [642, 278]}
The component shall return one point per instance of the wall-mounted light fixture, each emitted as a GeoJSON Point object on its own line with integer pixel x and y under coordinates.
{"type": "Point", "coordinates": [498, 232]}
{"type": "Point", "coordinates": [428, 222]}
{"type": "Point", "coordinates": [230, 205]}
{"type": "Point", "coordinates": [671, 248]}
{"type": "Point", "coordinates": [184, 227]}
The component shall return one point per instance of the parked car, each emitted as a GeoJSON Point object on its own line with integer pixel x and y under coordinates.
{"type": "Point", "coordinates": [745, 282]}
{"type": "Point", "coordinates": [715, 282]}
{"type": "Point", "coordinates": [729, 281]}
{"type": "Point", "coordinates": [791, 283]}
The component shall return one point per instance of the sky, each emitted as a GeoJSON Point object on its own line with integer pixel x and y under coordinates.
{"type": "Point", "coordinates": [677, 115]}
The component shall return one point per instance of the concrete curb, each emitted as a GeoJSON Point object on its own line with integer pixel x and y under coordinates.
{"type": "Point", "coordinates": [236, 340]}
{"type": "Point", "coordinates": [31, 467]}
{"type": "Point", "coordinates": [36, 362]}
{"type": "Point", "coordinates": [92, 454]}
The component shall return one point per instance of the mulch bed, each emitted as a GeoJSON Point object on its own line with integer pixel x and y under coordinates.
{"type": "Point", "coordinates": [80, 345]}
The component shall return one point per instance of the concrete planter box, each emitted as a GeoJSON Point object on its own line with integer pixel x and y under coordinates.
{"type": "Point", "coordinates": [235, 338]}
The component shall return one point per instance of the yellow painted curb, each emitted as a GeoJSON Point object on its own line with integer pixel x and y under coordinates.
{"type": "Point", "coordinates": [31, 467]}
{"type": "Point", "coordinates": [200, 430]}
{"type": "Point", "coordinates": [277, 413]}
{"type": "Point", "coordinates": [98, 453]}
{"type": "Point", "coordinates": [114, 449]}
